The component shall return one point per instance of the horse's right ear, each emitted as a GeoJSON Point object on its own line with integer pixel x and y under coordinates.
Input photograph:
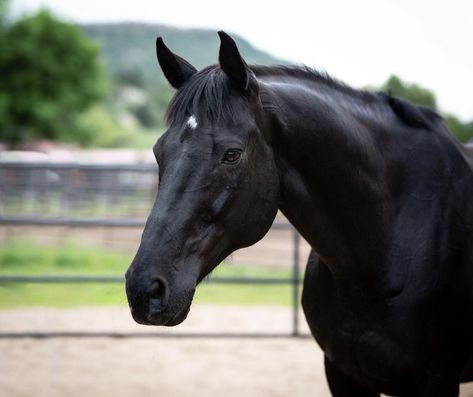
{"type": "Point", "coordinates": [176, 70]}
{"type": "Point", "coordinates": [234, 66]}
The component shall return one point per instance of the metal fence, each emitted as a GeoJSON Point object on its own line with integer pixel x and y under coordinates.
{"type": "Point", "coordinates": [47, 194]}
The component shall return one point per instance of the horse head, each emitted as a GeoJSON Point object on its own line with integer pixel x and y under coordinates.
{"type": "Point", "coordinates": [218, 183]}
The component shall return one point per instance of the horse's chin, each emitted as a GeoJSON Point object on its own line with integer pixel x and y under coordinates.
{"type": "Point", "coordinates": [168, 318]}
{"type": "Point", "coordinates": [178, 318]}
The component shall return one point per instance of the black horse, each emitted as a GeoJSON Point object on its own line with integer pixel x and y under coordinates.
{"type": "Point", "coordinates": [378, 187]}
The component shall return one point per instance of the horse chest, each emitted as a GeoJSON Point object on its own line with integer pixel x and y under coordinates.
{"type": "Point", "coordinates": [353, 337]}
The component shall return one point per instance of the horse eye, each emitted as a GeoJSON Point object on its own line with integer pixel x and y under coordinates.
{"type": "Point", "coordinates": [231, 156]}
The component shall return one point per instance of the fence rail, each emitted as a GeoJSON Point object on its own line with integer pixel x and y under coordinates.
{"type": "Point", "coordinates": [18, 165]}
{"type": "Point", "coordinates": [44, 194]}
{"type": "Point", "coordinates": [91, 222]}
{"type": "Point", "coordinates": [180, 335]}
{"type": "Point", "coordinates": [54, 279]}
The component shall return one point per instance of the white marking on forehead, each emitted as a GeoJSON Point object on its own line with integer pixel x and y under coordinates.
{"type": "Point", "coordinates": [192, 122]}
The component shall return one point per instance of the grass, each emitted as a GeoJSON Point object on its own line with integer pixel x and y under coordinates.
{"type": "Point", "coordinates": [23, 257]}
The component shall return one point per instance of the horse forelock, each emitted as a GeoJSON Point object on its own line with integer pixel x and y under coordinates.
{"type": "Point", "coordinates": [206, 96]}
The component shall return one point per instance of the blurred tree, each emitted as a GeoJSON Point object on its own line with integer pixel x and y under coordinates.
{"type": "Point", "coordinates": [412, 92]}
{"type": "Point", "coordinates": [463, 131]}
{"type": "Point", "coordinates": [97, 127]}
{"type": "Point", "coordinates": [50, 74]}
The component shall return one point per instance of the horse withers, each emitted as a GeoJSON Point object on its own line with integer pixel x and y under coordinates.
{"type": "Point", "coordinates": [378, 187]}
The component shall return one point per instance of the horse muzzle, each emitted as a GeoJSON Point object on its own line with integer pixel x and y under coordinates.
{"type": "Point", "coordinates": [151, 302]}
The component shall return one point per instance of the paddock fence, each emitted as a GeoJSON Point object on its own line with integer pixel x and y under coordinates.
{"type": "Point", "coordinates": [114, 196]}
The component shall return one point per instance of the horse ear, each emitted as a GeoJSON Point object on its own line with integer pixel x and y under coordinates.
{"type": "Point", "coordinates": [233, 64]}
{"type": "Point", "coordinates": [176, 70]}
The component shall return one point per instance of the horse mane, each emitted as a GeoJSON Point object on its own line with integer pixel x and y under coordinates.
{"type": "Point", "coordinates": [207, 95]}
{"type": "Point", "coordinates": [415, 116]}
{"type": "Point", "coordinates": [314, 75]}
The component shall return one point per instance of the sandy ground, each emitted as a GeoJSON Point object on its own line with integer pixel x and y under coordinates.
{"type": "Point", "coordinates": [177, 367]}
{"type": "Point", "coordinates": [160, 367]}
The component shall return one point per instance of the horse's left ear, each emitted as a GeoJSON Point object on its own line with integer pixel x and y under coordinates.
{"type": "Point", "coordinates": [176, 69]}
{"type": "Point", "coordinates": [234, 65]}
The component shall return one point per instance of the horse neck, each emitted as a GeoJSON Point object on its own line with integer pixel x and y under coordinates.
{"type": "Point", "coordinates": [332, 177]}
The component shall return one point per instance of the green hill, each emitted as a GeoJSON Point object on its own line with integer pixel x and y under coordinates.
{"type": "Point", "coordinates": [140, 93]}
{"type": "Point", "coordinates": [130, 47]}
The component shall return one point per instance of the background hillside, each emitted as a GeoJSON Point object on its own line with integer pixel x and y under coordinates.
{"type": "Point", "coordinates": [140, 94]}
{"type": "Point", "coordinates": [131, 47]}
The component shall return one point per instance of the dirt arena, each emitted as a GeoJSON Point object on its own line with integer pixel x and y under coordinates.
{"type": "Point", "coordinates": [178, 367]}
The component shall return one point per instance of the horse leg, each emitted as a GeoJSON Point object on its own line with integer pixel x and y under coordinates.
{"type": "Point", "coordinates": [343, 386]}
{"type": "Point", "coordinates": [467, 371]}
{"type": "Point", "coordinates": [434, 387]}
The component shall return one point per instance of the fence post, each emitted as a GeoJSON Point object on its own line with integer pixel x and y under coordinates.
{"type": "Point", "coordinates": [295, 283]}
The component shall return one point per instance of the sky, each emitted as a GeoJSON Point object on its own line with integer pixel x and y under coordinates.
{"type": "Point", "coordinates": [360, 42]}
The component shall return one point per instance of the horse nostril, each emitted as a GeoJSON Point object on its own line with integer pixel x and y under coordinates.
{"type": "Point", "coordinates": [158, 293]}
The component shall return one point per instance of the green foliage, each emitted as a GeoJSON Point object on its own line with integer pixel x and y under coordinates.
{"type": "Point", "coordinates": [96, 127]}
{"type": "Point", "coordinates": [50, 74]}
{"type": "Point", "coordinates": [463, 131]}
{"type": "Point", "coordinates": [411, 92]}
